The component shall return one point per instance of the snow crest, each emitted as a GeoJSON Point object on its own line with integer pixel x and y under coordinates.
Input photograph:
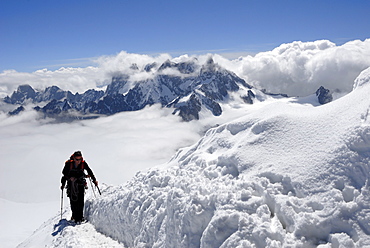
{"type": "Point", "coordinates": [285, 175]}
{"type": "Point", "coordinates": [363, 78]}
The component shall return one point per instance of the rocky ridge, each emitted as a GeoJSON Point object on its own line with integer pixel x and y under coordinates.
{"type": "Point", "coordinates": [188, 91]}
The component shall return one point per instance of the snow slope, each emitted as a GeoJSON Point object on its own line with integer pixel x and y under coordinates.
{"type": "Point", "coordinates": [60, 233]}
{"type": "Point", "coordinates": [285, 174]}
{"type": "Point", "coordinates": [29, 214]}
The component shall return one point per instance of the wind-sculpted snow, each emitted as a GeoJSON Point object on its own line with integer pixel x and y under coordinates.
{"type": "Point", "coordinates": [363, 78]}
{"type": "Point", "coordinates": [287, 175]}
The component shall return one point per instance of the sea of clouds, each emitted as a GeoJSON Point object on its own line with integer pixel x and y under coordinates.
{"type": "Point", "coordinates": [297, 69]}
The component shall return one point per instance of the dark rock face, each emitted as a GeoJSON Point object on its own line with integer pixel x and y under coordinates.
{"type": "Point", "coordinates": [26, 92]}
{"type": "Point", "coordinates": [55, 107]}
{"type": "Point", "coordinates": [324, 95]}
{"type": "Point", "coordinates": [183, 67]}
{"type": "Point", "coordinates": [188, 93]}
{"type": "Point", "coordinates": [23, 93]}
{"type": "Point", "coordinates": [188, 110]}
{"type": "Point", "coordinates": [16, 111]}
{"type": "Point", "coordinates": [249, 97]}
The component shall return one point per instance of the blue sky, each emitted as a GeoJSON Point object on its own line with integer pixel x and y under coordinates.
{"type": "Point", "coordinates": [50, 34]}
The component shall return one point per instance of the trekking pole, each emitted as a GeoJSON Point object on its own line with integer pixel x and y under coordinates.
{"type": "Point", "coordinates": [98, 189]}
{"type": "Point", "coordinates": [92, 186]}
{"type": "Point", "coordinates": [61, 207]}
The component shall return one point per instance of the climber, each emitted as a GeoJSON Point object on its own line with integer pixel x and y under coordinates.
{"type": "Point", "coordinates": [73, 174]}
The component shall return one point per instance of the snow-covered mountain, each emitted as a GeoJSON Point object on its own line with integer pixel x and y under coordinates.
{"type": "Point", "coordinates": [182, 86]}
{"type": "Point", "coordinates": [285, 174]}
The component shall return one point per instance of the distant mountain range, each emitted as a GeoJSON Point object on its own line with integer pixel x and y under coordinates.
{"type": "Point", "coordinates": [189, 90]}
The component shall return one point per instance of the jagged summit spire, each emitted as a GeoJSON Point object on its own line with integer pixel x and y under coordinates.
{"type": "Point", "coordinates": [210, 66]}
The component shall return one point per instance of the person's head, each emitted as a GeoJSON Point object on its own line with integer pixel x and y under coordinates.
{"type": "Point", "coordinates": [77, 157]}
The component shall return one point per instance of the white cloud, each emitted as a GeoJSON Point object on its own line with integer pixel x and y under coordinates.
{"type": "Point", "coordinates": [133, 140]}
{"type": "Point", "coordinates": [122, 63]}
{"type": "Point", "coordinates": [116, 147]}
{"type": "Point", "coordinates": [297, 68]}
{"type": "Point", "coordinates": [300, 68]}
{"type": "Point", "coordinates": [73, 79]}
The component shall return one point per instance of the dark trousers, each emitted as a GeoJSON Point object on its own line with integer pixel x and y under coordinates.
{"type": "Point", "coordinates": [77, 204]}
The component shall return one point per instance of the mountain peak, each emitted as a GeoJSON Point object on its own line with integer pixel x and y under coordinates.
{"type": "Point", "coordinates": [206, 87]}
{"type": "Point", "coordinates": [210, 65]}
{"type": "Point", "coordinates": [187, 67]}
{"type": "Point", "coordinates": [22, 93]}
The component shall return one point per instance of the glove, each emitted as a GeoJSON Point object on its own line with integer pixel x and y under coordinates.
{"type": "Point", "coordinates": [62, 187]}
{"type": "Point", "coordinates": [96, 183]}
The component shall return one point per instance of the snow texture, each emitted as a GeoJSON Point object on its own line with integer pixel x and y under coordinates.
{"type": "Point", "coordinates": [58, 232]}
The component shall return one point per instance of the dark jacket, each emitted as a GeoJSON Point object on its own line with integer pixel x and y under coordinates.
{"type": "Point", "coordinates": [69, 171]}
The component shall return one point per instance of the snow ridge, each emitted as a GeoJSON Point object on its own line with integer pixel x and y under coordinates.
{"type": "Point", "coordinates": [287, 175]}
{"type": "Point", "coordinates": [60, 233]}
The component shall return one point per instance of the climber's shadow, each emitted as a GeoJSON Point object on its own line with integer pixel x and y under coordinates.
{"type": "Point", "coordinates": [61, 225]}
